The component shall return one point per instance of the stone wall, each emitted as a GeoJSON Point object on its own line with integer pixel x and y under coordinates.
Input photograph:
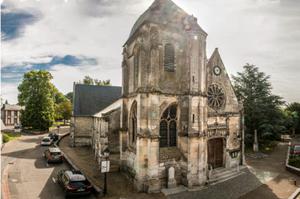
{"type": "Point", "coordinates": [82, 127]}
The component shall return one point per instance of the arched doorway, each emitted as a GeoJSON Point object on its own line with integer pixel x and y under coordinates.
{"type": "Point", "coordinates": [215, 152]}
{"type": "Point", "coordinates": [168, 127]}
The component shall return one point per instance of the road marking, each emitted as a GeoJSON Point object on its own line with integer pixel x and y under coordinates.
{"type": "Point", "coordinates": [53, 179]}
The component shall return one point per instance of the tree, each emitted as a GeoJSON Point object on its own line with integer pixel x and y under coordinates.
{"type": "Point", "coordinates": [90, 81]}
{"type": "Point", "coordinates": [69, 96]}
{"type": "Point", "coordinates": [291, 120]}
{"type": "Point", "coordinates": [36, 93]}
{"type": "Point", "coordinates": [64, 110]}
{"type": "Point", "coordinates": [295, 107]}
{"type": "Point", "coordinates": [261, 107]}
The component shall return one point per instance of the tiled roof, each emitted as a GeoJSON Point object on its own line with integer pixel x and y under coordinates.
{"type": "Point", "coordinates": [162, 12]}
{"type": "Point", "coordinates": [90, 99]}
{"type": "Point", "coordinates": [12, 107]}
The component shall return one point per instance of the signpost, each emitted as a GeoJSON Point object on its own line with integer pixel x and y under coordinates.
{"type": "Point", "coordinates": [105, 166]}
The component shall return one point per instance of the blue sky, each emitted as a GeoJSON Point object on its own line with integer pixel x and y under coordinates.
{"type": "Point", "coordinates": [74, 38]}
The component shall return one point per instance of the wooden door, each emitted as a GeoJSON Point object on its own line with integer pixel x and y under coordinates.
{"type": "Point", "coordinates": [215, 152]}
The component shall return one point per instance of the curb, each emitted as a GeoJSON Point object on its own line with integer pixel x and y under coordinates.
{"type": "Point", "coordinates": [295, 194]}
{"type": "Point", "coordinates": [4, 183]}
{"type": "Point", "coordinates": [70, 162]}
{"type": "Point", "coordinates": [288, 167]}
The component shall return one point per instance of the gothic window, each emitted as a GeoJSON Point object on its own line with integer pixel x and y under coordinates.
{"type": "Point", "coordinates": [168, 127]}
{"type": "Point", "coordinates": [133, 122]}
{"type": "Point", "coordinates": [169, 58]}
{"type": "Point", "coordinates": [136, 69]}
{"type": "Point", "coordinates": [216, 97]}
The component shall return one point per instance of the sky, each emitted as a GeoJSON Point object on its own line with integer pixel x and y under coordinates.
{"type": "Point", "coordinates": [75, 38]}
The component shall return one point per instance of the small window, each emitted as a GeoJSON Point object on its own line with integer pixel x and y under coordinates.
{"type": "Point", "coordinates": [193, 118]}
{"type": "Point", "coordinates": [169, 58]}
{"type": "Point", "coordinates": [193, 79]}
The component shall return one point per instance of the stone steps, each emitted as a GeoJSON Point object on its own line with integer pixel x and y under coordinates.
{"type": "Point", "coordinates": [221, 175]}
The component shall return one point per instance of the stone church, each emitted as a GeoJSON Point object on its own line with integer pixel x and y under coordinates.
{"type": "Point", "coordinates": [178, 121]}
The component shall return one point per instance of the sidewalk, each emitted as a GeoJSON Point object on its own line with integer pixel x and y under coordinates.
{"type": "Point", "coordinates": [118, 185]}
{"type": "Point", "coordinates": [272, 173]}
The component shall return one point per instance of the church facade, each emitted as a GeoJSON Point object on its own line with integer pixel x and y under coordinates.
{"type": "Point", "coordinates": [179, 109]}
{"type": "Point", "coordinates": [179, 120]}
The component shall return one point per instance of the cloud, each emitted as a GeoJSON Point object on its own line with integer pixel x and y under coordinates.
{"type": "Point", "coordinates": [261, 32]}
{"type": "Point", "coordinates": [13, 22]}
{"type": "Point", "coordinates": [14, 73]}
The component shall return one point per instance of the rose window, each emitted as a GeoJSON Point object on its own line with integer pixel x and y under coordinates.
{"type": "Point", "coordinates": [216, 97]}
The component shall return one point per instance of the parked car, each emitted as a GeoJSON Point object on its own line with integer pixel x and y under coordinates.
{"type": "Point", "coordinates": [53, 155]}
{"type": "Point", "coordinates": [46, 141]}
{"type": "Point", "coordinates": [295, 149]}
{"type": "Point", "coordinates": [53, 136]}
{"type": "Point", "coordinates": [74, 183]}
{"type": "Point", "coordinates": [17, 128]}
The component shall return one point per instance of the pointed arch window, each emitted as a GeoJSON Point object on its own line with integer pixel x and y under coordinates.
{"type": "Point", "coordinates": [136, 61]}
{"type": "Point", "coordinates": [169, 58]}
{"type": "Point", "coordinates": [133, 123]}
{"type": "Point", "coordinates": [168, 127]}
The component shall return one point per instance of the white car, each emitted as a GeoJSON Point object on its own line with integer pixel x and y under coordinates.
{"type": "Point", "coordinates": [46, 141]}
{"type": "Point", "coordinates": [17, 129]}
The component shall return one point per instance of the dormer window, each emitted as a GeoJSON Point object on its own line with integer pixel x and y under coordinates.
{"type": "Point", "coordinates": [169, 58]}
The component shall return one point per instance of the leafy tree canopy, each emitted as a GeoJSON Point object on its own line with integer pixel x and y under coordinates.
{"type": "Point", "coordinates": [90, 81]}
{"type": "Point", "coordinates": [261, 107]}
{"type": "Point", "coordinates": [37, 93]}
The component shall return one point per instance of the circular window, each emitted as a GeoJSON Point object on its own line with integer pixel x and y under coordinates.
{"type": "Point", "coordinates": [217, 70]}
{"type": "Point", "coordinates": [216, 97]}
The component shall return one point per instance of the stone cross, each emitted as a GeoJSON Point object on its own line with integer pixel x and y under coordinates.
{"type": "Point", "coordinates": [171, 178]}
{"type": "Point", "coordinates": [255, 144]}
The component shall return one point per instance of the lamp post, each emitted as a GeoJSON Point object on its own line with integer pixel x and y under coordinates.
{"type": "Point", "coordinates": [105, 168]}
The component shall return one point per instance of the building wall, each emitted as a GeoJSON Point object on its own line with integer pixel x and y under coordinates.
{"type": "Point", "coordinates": [81, 130]}
{"type": "Point", "coordinates": [10, 117]}
{"type": "Point", "coordinates": [187, 86]}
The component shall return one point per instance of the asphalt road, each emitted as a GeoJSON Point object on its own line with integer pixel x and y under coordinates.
{"type": "Point", "coordinates": [29, 176]}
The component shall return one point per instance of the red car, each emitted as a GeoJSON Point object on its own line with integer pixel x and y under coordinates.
{"type": "Point", "coordinates": [74, 183]}
{"type": "Point", "coordinates": [295, 149]}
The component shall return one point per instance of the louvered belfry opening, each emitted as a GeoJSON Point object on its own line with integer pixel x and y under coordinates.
{"type": "Point", "coordinates": [133, 121]}
{"type": "Point", "coordinates": [168, 127]}
{"type": "Point", "coordinates": [169, 58]}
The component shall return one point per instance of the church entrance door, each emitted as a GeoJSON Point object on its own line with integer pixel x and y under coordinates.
{"type": "Point", "coordinates": [215, 152]}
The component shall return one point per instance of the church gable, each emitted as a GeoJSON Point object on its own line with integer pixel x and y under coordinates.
{"type": "Point", "coordinates": [221, 96]}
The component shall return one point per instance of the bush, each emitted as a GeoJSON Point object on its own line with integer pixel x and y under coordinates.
{"type": "Point", "coordinates": [5, 138]}
{"type": "Point", "coordinates": [294, 161]}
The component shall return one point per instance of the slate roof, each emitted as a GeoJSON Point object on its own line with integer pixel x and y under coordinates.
{"type": "Point", "coordinates": [162, 12]}
{"type": "Point", "coordinates": [90, 99]}
{"type": "Point", "coordinates": [12, 107]}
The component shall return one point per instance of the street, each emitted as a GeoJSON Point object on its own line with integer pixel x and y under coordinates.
{"type": "Point", "coordinates": [29, 175]}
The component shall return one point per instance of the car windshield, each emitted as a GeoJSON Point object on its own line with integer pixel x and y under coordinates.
{"type": "Point", "coordinates": [55, 153]}
{"type": "Point", "coordinates": [297, 148]}
{"type": "Point", "coordinates": [79, 184]}
{"type": "Point", "coordinates": [45, 139]}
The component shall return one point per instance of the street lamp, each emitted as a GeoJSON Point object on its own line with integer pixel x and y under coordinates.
{"type": "Point", "coordinates": [105, 168]}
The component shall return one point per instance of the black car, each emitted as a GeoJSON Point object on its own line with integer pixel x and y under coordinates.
{"type": "Point", "coordinates": [53, 136]}
{"type": "Point", "coordinates": [74, 183]}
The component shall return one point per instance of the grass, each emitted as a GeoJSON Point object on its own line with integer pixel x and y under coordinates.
{"type": "Point", "coordinates": [294, 161]}
{"type": "Point", "coordinates": [9, 136]}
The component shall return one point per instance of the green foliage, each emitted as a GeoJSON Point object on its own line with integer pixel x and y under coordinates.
{"type": "Point", "coordinates": [64, 110]}
{"type": "Point", "coordinates": [294, 108]}
{"type": "Point", "coordinates": [294, 161]}
{"type": "Point", "coordinates": [291, 120]}
{"type": "Point", "coordinates": [7, 136]}
{"type": "Point", "coordinates": [90, 81]}
{"type": "Point", "coordinates": [69, 96]}
{"type": "Point", "coordinates": [261, 107]}
{"type": "Point", "coordinates": [37, 94]}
